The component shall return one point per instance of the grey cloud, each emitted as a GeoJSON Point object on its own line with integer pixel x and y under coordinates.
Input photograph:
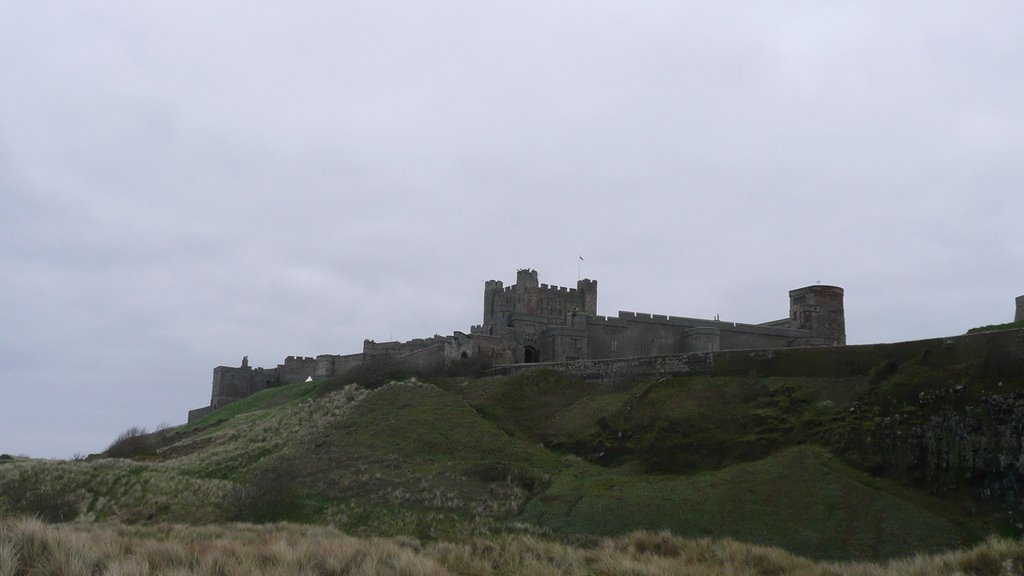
{"type": "Point", "coordinates": [185, 183]}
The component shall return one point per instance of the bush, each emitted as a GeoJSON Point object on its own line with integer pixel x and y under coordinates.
{"type": "Point", "coordinates": [132, 443]}
{"type": "Point", "coordinates": [25, 495]}
{"type": "Point", "coordinates": [883, 371]}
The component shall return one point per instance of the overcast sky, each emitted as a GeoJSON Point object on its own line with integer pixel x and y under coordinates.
{"type": "Point", "coordinates": [184, 183]}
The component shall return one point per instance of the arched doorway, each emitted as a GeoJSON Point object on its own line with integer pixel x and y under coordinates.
{"type": "Point", "coordinates": [531, 355]}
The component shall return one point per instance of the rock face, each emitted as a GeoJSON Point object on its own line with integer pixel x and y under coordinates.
{"type": "Point", "coordinates": [972, 452]}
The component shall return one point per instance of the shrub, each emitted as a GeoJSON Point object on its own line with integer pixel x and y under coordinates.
{"type": "Point", "coordinates": [25, 495]}
{"type": "Point", "coordinates": [132, 443]}
{"type": "Point", "coordinates": [883, 371]}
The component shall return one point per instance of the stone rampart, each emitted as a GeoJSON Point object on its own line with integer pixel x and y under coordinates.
{"type": "Point", "coordinates": [396, 349]}
{"type": "Point", "coordinates": [641, 334]}
{"type": "Point", "coordinates": [199, 413]}
{"type": "Point", "coordinates": [600, 370]}
{"type": "Point", "coordinates": [233, 383]}
{"type": "Point", "coordinates": [330, 365]}
{"type": "Point", "coordinates": [422, 359]}
{"type": "Point", "coordinates": [1003, 354]}
{"type": "Point", "coordinates": [296, 369]}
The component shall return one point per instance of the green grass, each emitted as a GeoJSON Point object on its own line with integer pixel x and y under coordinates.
{"type": "Point", "coordinates": [416, 447]}
{"type": "Point", "coordinates": [544, 405]}
{"type": "Point", "coordinates": [997, 327]}
{"type": "Point", "coordinates": [800, 499]}
{"type": "Point", "coordinates": [677, 425]}
{"type": "Point", "coordinates": [731, 454]}
{"type": "Point", "coordinates": [264, 400]}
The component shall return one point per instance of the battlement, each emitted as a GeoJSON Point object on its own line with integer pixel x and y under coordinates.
{"type": "Point", "coordinates": [558, 288]}
{"type": "Point", "coordinates": [530, 322]}
{"type": "Point", "coordinates": [397, 349]}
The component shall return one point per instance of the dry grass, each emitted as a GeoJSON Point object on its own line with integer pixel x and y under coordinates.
{"type": "Point", "coordinates": [29, 546]}
{"type": "Point", "coordinates": [186, 488]}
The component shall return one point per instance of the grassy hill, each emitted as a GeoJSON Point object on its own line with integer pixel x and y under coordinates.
{"type": "Point", "coordinates": [899, 450]}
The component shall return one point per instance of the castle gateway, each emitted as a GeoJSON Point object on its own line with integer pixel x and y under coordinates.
{"type": "Point", "coordinates": [531, 322]}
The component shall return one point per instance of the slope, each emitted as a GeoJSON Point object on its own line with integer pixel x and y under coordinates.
{"type": "Point", "coordinates": [747, 453]}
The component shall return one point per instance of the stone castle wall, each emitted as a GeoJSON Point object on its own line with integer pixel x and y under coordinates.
{"type": "Point", "coordinates": [296, 369]}
{"type": "Point", "coordinates": [639, 334]}
{"type": "Point", "coordinates": [530, 322]}
{"type": "Point", "coordinates": [231, 383]}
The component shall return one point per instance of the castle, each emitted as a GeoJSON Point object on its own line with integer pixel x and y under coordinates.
{"type": "Point", "coordinates": [530, 322]}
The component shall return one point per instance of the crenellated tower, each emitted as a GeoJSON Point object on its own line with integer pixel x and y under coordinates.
{"type": "Point", "coordinates": [491, 289]}
{"type": "Point", "coordinates": [588, 288]}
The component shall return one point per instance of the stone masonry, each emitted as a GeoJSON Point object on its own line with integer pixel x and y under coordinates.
{"type": "Point", "coordinates": [530, 322]}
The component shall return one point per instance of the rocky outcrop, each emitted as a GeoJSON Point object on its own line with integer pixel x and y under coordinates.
{"type": "Point", "coordinates": [967, 449]}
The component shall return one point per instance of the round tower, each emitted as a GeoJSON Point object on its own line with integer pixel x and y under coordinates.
{"type": "Point", "coordinates": [1019, 316]}
{"type": "Point", "coordinates": [819, 309]}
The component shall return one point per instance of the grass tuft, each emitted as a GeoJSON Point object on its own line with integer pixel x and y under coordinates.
{"type": "Point", "coordinates": [30, 547]}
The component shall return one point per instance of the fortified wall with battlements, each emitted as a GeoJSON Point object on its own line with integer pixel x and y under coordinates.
{"type": "Point", "coordinates": [529, 322]}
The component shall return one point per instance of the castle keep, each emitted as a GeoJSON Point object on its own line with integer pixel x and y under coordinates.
{"type": "Point", "coordinates": [530, 322]}
{"type": "Point", "coordinates": [534, 322]}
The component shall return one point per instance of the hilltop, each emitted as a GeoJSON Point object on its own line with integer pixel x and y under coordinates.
{"type": "Point", "coordinates": [849, 452]}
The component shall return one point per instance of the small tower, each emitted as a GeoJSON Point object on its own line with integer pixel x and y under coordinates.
{"type": "Point", "coordinates": [491, 289]}
{"type": "Point", "coordinates": [588, 288]}
{"type": "Point", "coordinates": [1019, 316]}
{"type": "Point", "coordinates": [526, 278]}
{"type": "Point", "coordinates": [819, 309]}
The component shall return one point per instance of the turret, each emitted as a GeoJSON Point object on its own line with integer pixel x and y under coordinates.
{"type": "Point", "coordinates": [491, 287]}
{"type": "Point", "coordinates": [588, 288]}
{"type": "Point", "coordinates": [819, 309]}
{"type": "Point", "coordinates": [526, 278]}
